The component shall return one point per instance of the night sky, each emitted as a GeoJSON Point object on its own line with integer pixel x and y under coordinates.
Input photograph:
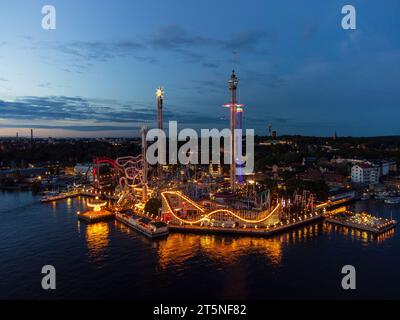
{"type": "Point", "coordinates": [96, 74]}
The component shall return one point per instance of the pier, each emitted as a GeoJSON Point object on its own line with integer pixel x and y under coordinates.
{"type": "Point", "coordinates": [98, 213]}
{"type": "Point", "coordinates": [262, 232]}
{"type": "Point", "coordinates": [67, 195]}
{"type": "Point", "coordinates": [362, 221]}
{"type": "Point", "coordinates": [93, 217]}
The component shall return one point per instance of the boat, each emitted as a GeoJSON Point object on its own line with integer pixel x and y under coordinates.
{"type": "Point", "coordinates": [342, 197]}
{"type": "Point", "coordinates": [394, 200]}
{"type": "Point", "coordinates": [381, 196]}
{"type": "Point", "coordinates": [146, 226]}
{"type": "Point", "coordinates": [53, 196]}
{"type": "Point", "coordinates": [365, 196]}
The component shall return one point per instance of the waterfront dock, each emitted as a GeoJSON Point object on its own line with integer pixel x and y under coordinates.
{"type": "Point", "coordinates": [68, 195]}
{"type": "Point", "coordinates": [362, 221]}
{"type": "Point", "coordinates": [93, 216]}
{"type": "Point", "coordinates": [262, 232]}
{"type": "Point", "coordinates": [98, 213]}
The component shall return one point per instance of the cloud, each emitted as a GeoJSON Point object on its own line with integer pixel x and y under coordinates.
{"type": "Point", "coordinates": [311, 69]}
{"type": "Point", "coordinates": [269, 79]}
{"type": "Point", "coordinates": [3, 79]}
{"type": "Point", "coordinates": [84, 54]}
{"type": "Point", "coordinates": [45, 108]}
{"type": "Point", "coordinates": [176, 38]}
{"type": "Point", "coordinates": [210, 83]}
{"type": "Point", "coordinates": [208, 86]}
{"type": "Point", "coordinates": [309, 30]}
{"type": "Point", "coordinates": [246, 41]}
{"type": "Point", "coordinates": [189, 46]}
{"type": "Point", "coordinates": [72, 128]}
{"type": "Point", "coordinates": [186, 45]}
{"type": "Point", "coordinates": [44, 85]}
{"type": "Point", "coordinates": [94, 114]}
{"type": "Point", "coordinates": [71, 108]}
{"type": "Point", "coordinates": [99, 50]}
{"type": "Point", "coordinates": [210, 65]}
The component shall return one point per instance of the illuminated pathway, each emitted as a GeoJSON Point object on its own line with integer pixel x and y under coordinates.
{"type": "Point", "coordinates": [224, 220]}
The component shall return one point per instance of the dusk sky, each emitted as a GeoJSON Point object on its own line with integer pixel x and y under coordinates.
{"type": "Point", "coordinates": [96, 74]}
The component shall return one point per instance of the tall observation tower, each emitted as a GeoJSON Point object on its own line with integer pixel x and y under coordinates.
{"type": "Point", "coordinates": [239, 125]}
{"type": "Point", "coordinates": [160, 104]}
{"type": "Point", "coordinates": [233, 84]}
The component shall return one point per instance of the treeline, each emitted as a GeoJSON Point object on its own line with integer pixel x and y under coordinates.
{"type": "Point", "coordinates": [68, 153]}
{"type": "Point", "coordinates": [302, 147]}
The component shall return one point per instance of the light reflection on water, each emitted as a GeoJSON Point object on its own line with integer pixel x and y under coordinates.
{"type": "Point", "coordinates": [366, 238]}
{"type": "Point", "coordinates": [69, 203]}
{"type": "Point", "coordinates": [54, 207]}
{"type": "Point", "coordinates": [131, 265]}
{"type": "Point", "coordinates": [181, 247]}
{"type": "Point", "coordinates": [97, 239]}
{"type": "Point", "coordinates": [178, 248]}
{"type": "Point", "coordinates": [376, 208]}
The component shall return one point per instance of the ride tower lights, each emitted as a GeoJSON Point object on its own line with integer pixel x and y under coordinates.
{"type": "Point", "coordinates": [144, 150]}
{"type": "Point", "coordinates": [239, 126]}
{"type": "Point", "coordinates": [160, 104]}
{"type": "Point", "coordinates": [160, 117]}
{"type": "Point", "coordinates": [233, 84]}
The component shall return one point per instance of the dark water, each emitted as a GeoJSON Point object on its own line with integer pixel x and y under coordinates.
{"type": "Point", "coordinates": [107, 260]}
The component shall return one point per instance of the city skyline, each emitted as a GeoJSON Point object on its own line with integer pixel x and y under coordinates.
{"type": "Point", "coordinates": [96, 74]}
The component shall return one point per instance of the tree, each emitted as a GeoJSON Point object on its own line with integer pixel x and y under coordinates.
{"type": "Point", "coordinates": [153, 206]}
{"type": "Point", "coordinates": [36, 186]}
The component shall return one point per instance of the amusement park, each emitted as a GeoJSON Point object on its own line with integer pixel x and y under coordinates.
{"type": "Point", "coordinates": [190, 157]}
{"type": "Point", "coordinates": [211, 198]}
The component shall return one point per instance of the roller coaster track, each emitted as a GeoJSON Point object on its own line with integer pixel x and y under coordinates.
{"type": "Point", "coordinates": [129, 174]}
{"type": "Point", "coordinates": [207, 216]}
{"type": "Point", "coordinates": [98, 161]}
{"type": "Point", "coordinates": [132, 168]}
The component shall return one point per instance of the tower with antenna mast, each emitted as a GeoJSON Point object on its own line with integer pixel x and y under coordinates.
{"type": "Point", "coordinates": [236, 117]}
{"type": "Point", "coordinates": [239, 126]}
{"type": "Point", "coordinates": [233, 107]}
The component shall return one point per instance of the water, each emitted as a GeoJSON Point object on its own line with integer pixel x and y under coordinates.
{"type": "Point", "coordinates": [110, 261]}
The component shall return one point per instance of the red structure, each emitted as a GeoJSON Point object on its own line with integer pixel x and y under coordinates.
{"type": "Point", "coordinates": [96, 167]}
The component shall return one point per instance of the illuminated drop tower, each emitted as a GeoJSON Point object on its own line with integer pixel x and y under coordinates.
{"type": "Point", "coordinates": [239, 126]}
{"type": "Point", "coordinates": [145, 168]}
{"type": "Point", "coordinates": [160, 117]}
{"type": "Point", "coordinates": [160, 104]}
{"type": "Point", "coordinates": [233, 84]}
